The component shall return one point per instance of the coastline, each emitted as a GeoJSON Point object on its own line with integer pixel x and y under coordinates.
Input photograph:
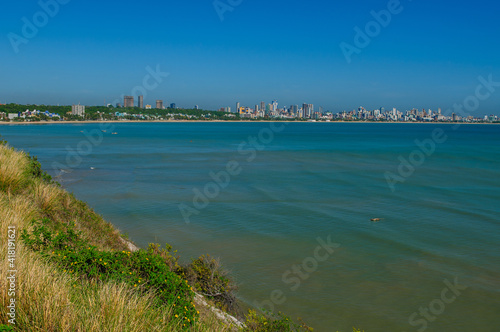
{"type": "Point", "coordinates": [235, 121]}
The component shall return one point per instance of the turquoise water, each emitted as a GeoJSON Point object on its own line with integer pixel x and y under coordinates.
{"type": "Point", "coordinates": [309, 181]}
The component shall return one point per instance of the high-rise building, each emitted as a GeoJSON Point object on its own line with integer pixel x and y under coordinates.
{"type": "Point", "coordinates": [173, 106]}
{"type": "Point", "coordinates": [78, 110]}
{"type": "Point", "coordinates": [159, 104]}
{"type": "Point", "coordinates": [237, 108]}
{"type": "Point", "coordinates": [262, 105]}
{"type": "Point", "coordinates": [128, 101]}
{"type": "Point", "coordinates": [305, 111]}
{"type": "Point", "coordinates": [141, 102]}
{"type": "Point", "coordinates": [269, 107]}
{"type": "Point", "coordinates": [275, 106]}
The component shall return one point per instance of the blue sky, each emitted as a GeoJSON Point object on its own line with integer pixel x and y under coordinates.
{"type": "Point", "coordinates": [430, 55]}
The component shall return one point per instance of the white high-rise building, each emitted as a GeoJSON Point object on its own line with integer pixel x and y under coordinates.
{"type": "Point", "coordinates": [78, 110]}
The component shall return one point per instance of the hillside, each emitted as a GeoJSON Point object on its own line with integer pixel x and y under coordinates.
{"type": "Point", "coordinates": [64, 268]}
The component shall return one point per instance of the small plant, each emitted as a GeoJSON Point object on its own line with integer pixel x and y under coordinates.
{"type": "Point", "coordinates": [208, 277]}
{"type": "Point", "coordinates": [6, 328]}
{"type": "Point", "coordinates": [35, 169]}
{"type": "Point", "coordinates": [272, 323]}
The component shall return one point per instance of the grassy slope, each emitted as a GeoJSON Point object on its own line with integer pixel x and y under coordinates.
{"type": "Point", "coordinates": [48, 298]}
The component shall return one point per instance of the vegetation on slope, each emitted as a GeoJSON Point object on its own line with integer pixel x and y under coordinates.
{"type": "Point", "coordinates": [75, 273]}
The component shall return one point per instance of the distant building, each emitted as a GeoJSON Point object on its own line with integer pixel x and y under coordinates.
{"type": "Point", "coordinates": [141, 102]}
{"type": "Point", "coordinates": [148, 107]}
{"type": "Point", "coordinates": [78, 110]}
{"type": "Point", "coordinates": [196, 107]}
{"type": "Point", "coordinates": [159, 104]}
{"type": "Point", "coordinates": [275, 106]}
{"type": "Point", "coordinates": [173, 106]}
{"type": "Point", "coordinates": [128, 101]}
{"type": "Point", "coordinates": [237, 107]}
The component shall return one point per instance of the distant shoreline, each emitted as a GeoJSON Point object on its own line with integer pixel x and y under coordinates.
{"type": "Point", "coordinates": [230, 121]}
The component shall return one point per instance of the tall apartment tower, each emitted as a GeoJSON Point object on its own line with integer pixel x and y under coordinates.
{"type": "Point", "coordinates": [159, 104]}
{"type": "Point", "coordinates": [237, 108]}
{"type": "Point", "coordinates": [275, 106]}
{"type": "Point", "coordinates": [78, 110]}
{"type": "Point", "coordinates": [305, 110]}
{"type": "Point", "coordinates": [141, 102]}
{"type": "Point", "coordinates": [128, 101]}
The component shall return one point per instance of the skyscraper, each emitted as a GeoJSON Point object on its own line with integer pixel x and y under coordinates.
{"type": "Point", "coordinates": [275, 106]}
{"type": "Point", "coordinates": [128, 101]}
{"type": "Point", "coordinates": [262, 105]}
{"type": "Point", "coordinates": [159, 104]}
{"type": "Point", "coordinates": [305, 110]}
{"type": "Point", "coordinates": [237, 108]}
{"type": "Point", "coordinates": [141, 102]}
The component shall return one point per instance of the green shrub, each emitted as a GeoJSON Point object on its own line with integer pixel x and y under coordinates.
{"type": "Point", "coordinates": [272, 323]}
{"type": "Point", "coordinates": [209, 279]}
{"type": "Point", "coordinates": [144, 270]}
{"type": "Point", "coordinates": [35, 168]}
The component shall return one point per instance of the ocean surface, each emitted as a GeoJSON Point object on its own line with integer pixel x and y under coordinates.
{"type": "Point", "coordinates": [288, 210]}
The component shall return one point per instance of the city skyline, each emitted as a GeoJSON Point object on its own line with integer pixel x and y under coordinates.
{"type": "Point", "coordinates": [377, 54]}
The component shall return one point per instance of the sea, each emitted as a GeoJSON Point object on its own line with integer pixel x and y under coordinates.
{"type": "Point", "coordinates": [383, 227]}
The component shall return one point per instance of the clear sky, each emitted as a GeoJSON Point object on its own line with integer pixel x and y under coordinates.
{"type": "Point", "coordinates": [429, 55]}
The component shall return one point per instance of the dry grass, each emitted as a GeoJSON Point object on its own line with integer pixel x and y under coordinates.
{"type": "Point", "coordinates": [48, 299]}
{"type": "Point", "coordinates": [12, 166]}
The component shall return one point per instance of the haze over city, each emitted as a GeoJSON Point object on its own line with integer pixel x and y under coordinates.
{"type": "Point", "coordinates": [338, 56]}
